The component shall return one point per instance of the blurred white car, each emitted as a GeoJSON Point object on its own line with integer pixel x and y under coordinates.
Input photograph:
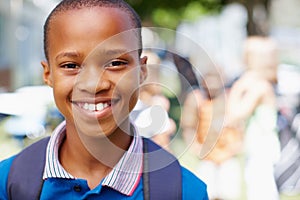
{"type": "Point", "coordinates": [28, 108]}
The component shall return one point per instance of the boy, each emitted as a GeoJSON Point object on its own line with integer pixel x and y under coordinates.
{"type": "Point", "coordinates": [93, 49]}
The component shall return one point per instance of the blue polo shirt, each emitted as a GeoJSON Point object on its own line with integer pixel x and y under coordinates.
{"type": "Point", "coordinates": [119, 184]}
{"type": "Point", "coordinates": [56, 188]}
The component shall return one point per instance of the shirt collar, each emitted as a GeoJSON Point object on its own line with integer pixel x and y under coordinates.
{"type": "Point", "coordinates": [124, 177]}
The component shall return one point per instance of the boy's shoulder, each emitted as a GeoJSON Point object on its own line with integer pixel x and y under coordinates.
{"type": "Point", "coordinates": [5, 165]}
{"type": "Point", "coordinates": [26, 166]}
{"type": "Point", "coordinates": [4, 171]}
{"type": "Point", "coordinates": [192, 186]}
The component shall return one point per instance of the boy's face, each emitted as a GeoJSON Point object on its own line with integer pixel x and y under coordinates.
{"type": "Point", "coordinates": [94, 70]}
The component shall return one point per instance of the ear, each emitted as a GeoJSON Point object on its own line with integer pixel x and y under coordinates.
{"type": "Point", "coordinates": [47, 73]}
{"type": "Point", "coordinates": [144, 70]}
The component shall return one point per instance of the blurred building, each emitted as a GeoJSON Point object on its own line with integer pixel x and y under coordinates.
{"type": "Point", "coordinates": [285, 29]}
{"type": "Point", "coordinates": [21, 36]}
{"type": "Point", "coordinates": [221, 36]}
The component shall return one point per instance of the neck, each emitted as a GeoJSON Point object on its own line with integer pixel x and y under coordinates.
{"type": "Point", "coordinates": [94, 156]}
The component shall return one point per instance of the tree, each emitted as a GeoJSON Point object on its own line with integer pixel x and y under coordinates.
{"type": "Point", "coordinates": [169, 13]}
{"type": "Point", "coordinates": [253, 26]}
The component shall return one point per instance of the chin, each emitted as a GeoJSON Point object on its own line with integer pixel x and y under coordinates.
{"type": "Point", "coordinates": [95, 129]}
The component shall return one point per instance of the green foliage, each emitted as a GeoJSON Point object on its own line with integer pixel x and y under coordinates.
{"type": "Point", "coordinates": [165, 17]}
{"type": "Point", "coordinates": [169, 13]}
{"type": "Point", "coordinates": [193, 10]}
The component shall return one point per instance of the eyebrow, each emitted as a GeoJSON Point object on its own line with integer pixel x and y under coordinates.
{"type": "Point", "coordinates": [71, 54]}
{"type": "Point", "coordinates": [109, 53]}
{"type": "Point", "coordinates": [106, 52]}
{"type": "Point", "coordinates": [113, 52]}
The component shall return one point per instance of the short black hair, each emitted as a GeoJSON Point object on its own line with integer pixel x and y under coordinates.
{"type": "Point", "coordinates": [66, 5]}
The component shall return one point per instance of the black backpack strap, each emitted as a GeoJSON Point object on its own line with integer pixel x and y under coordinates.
{"type": "Point", "coordinates": [25, 177]}
{"type": "Point", "coordinates": [162, 173]}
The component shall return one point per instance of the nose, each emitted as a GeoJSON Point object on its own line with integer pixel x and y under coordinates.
{"type": "Point", "coordinates": [93, 79]}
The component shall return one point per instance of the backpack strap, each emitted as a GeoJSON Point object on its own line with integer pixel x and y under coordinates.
{"type": "Point", "coordinates": [162, 173]}
{"type": "Point", "coordinates": [26, 172]}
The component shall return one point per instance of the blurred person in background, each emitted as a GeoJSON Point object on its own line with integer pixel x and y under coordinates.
{"type": "Point", "coordinates": [249, 111]}
{"type": "Point", "coordinates": [215, 146]}
{"type": "Point", "coordinates": [150, 115]}
{"type": "Point", "coordinates": [252, 107]}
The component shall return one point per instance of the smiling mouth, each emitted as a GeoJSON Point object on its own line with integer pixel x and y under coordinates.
{"type": "Point", "coordinates": [92, 107]}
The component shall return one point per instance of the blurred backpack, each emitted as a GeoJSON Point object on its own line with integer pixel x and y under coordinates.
{"type": "Point", "coordinates": [161, 174]}
{"type": "Point", "coordinates": [287, 169]}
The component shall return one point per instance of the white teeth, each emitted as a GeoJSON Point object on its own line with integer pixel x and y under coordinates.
{"type": "Point", "coordinates": [91, 107]}
{"type": "Point", "coordinates": [99, 106]}
{"type": "Point", "coordinates": [94, 107]}
{"type": "Point", "coordinates": [86, 106]}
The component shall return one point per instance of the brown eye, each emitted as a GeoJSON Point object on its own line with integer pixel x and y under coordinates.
{"type": "Point", "coordinates": [117, 63]}
{"type": "Point", "coordinates": [70, 66]}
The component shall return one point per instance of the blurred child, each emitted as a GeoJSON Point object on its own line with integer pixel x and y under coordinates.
{"type": "Point", "coordinates": [252, 105]}
{"type": "Point", "coordinates": [150, 115]}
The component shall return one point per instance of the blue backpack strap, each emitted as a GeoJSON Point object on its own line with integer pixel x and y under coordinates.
{"type": "Point", "coordinates": [162, 173]}
{"type": "Point", "coordinates": [26, 172]}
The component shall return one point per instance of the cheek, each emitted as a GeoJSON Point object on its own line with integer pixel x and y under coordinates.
{"type": "Point", "coordinates": [129, 85]}
{"type": "Point", "coordinates": [64, 82]}
{"type": "Point", "coordinates": [60, 97]}
{"type": "Point", "coordinates": [62, 89]}
{"type": "Point", "coordinates": [133, 100]}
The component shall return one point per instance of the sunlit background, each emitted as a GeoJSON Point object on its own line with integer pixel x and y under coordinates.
{"type": "Point", "coordinates": [219, 27]}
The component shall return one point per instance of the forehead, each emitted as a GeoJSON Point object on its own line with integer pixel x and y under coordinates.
{"type": "Point", "coordinates": [92, 19]}
{"type": "Point", "coordinates": [88, 26]}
